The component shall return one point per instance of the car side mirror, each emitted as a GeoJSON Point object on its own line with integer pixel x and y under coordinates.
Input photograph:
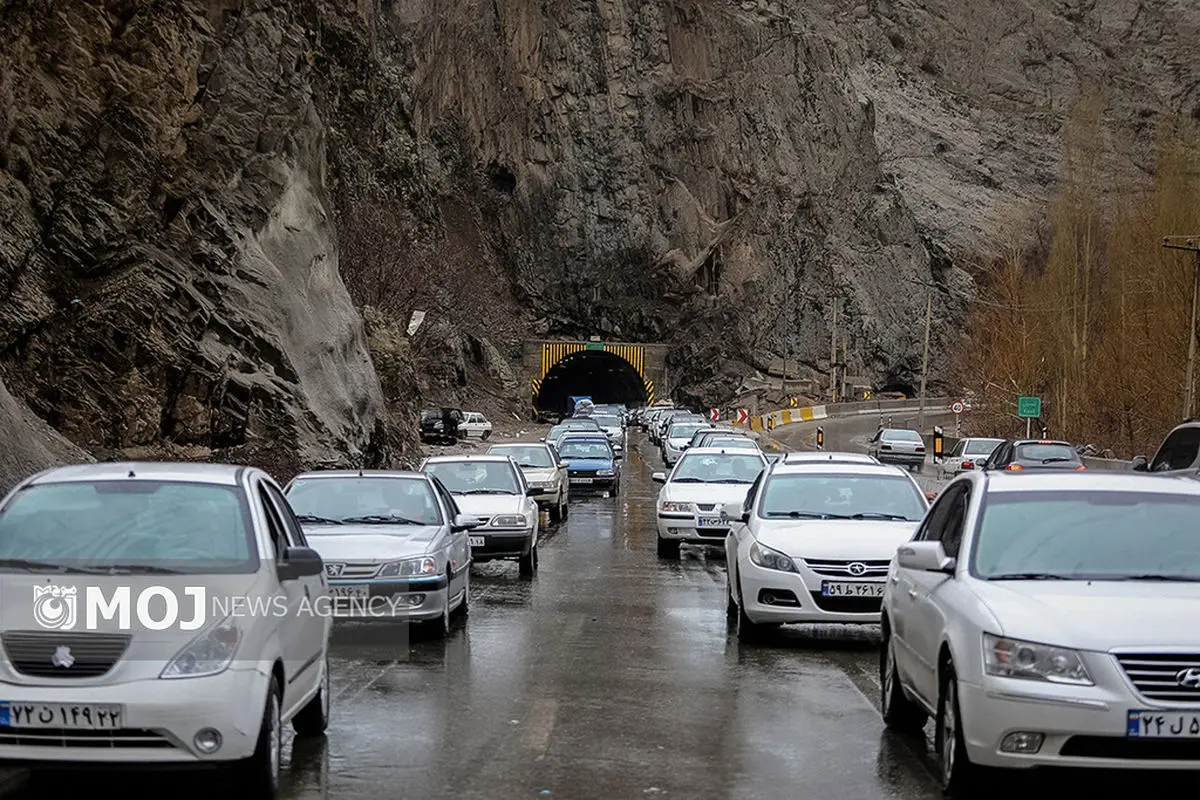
{"type": "Point", "coordinates": [926, 557]}
{"type": "Point", "coordinates": [982, 463]}
{"type": "Point", "coordinates": [300, 562]}
{"type": "Point", "coordinates": [563, 465]}
{"type": "Point", "coordinates": [659, 477]}
{"type": "Point", "coordinates": [1140, 464]}
{"type": "Point", "coordinates": [534, 491]}
{"type": "Point", "coordinates": [542, 439]}
{"type": "Point", "coordinates": [464, 523]}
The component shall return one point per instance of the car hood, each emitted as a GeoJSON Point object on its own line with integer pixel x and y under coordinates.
{"type": "Point", "coordinates": [590, 463]}
{"type": "Point", "coordinates": [1096, 615]}
{"type": "Point", "coordinates": [705, 493]}
{"type": "Point", "coordinates": [837, 538]}
{"type": "Point", "coordinates": [490, 504]}
{"type": "Point", "coordinates": [678, 443]}
{"type": "Point", "coordinates": [370, 542]}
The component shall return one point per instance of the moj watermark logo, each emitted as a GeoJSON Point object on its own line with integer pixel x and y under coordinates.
{"type": "Point", "coordinates": [159, 608]}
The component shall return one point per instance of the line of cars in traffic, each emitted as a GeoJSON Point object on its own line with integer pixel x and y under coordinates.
{"type": "Point", "coordinates": [1040, 614]}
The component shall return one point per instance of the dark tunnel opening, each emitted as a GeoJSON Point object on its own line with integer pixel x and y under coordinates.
{"type": "Point", "coordinates": [897, 387]}
{"type": "Point", "coordinates": [602, 376]}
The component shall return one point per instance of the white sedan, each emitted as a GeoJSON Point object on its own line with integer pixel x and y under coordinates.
{"type": "Point", "coordinates": [1049, 622]}
{"type": "Point", "coordinates": [813, 540]}
{"type": "Point", "coordinates": [968, 454]}
{"type": "Point", "coordinates": [691, 501]}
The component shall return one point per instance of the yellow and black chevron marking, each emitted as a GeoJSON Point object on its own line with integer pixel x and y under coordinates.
{"type": "Point", "coordinates": [537, 386]}
{"type": "Point", "coordinates": [649, 393]}
{"type": "Point", "coordinates": [553, 352]}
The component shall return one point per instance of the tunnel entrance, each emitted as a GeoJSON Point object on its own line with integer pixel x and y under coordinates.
{"type": "Point", "coordinates": [605, 377]}
{"type": "Point", "coordinates": [898, 387]}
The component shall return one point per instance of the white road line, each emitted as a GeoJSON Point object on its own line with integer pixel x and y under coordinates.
{"type": "Point", "coordinates": [540, 724]}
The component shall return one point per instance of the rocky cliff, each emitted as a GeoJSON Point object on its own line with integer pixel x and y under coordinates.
{"type": "Point", "coordinates": [185, 184]}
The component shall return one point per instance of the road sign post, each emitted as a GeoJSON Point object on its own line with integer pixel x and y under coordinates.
{"type": "Point", "coordinates": [743, 416]}
{"type": "Point", "coordinates": [820, 438]}
{"type": "Point", "coordinates": [714, 414]}
{"type": "Point", "coordinates": [939, 442]}
{"type": "Point", "coordinates": [1029, 409]}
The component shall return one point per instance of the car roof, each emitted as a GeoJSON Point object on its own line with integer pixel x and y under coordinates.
{"type": "Point", "coordinates": [722, 451]}
{"type": "Point", "coordinates": [467, 457]}
{"type": "Point", "coordinates": [826, 457]}
{"type": "Point", "coordinates": [361, 473]}
{"type": "Point", "coordinates": [835, 467]}
{"type": "Point", "coordinates": [1020, 442]}
{"type": "Point", "coordinates": [886, 431]}
{"type": "Point", "coordinates": [503, 445]}
{"type": "Point", "coordinates": [1101, 479]}
{"type": "Point", "coordinates": [183, 472]}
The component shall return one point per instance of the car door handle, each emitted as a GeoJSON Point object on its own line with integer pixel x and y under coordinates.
{"type": "Point", "coordinates": [894, 579]}
{"type": "Point", "coordinates": [912, 593]}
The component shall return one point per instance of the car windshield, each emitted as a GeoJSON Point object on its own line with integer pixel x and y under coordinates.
{"type": "Point", "coordinates": [686, 431]}
{"type": "Point", "coordinates": [1088, 535]}
{"type": "Point", "coordinates": [530, 457]}
{"type": "Point", "coordinates": [369, 499]}
{"type": "Point", "coordinates": [901, 436]}
{"type": "Point", "coordinates": [717, 468]}
{"type": "Point", "coordinates": [132, 525]}
{"type": "Point", "coordinates": [980, 447]}
{"type": "Point", "coordinates": [581, 423]}
{"type": "Point", "coordinates": [475, 477]}
{"type": "Point", "coordinates": [607, 422]}
{"type": "Point", "coordinates": [583, 448]}
{"type": "Point", "coordinates": [1046, 452]}
{"type": "Point", "coordinates": [739, 442]}
{"type": "Point", "coordinates": [814, 495]}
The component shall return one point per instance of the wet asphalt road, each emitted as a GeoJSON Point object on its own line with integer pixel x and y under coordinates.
{"type": "Point", "coordinates": [610, 675]}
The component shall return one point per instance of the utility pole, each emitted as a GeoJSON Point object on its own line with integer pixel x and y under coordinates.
{"type": "Point", "coordinates": [1191, 244]}
{"type": "Point", "coordinates": [925, 359]}
{"type": "Point", "coordinates": [833, 355]}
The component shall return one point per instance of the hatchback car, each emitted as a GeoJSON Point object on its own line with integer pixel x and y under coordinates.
{"type": "Point", "coordinates": [898, 446]}
{"type": "Point", "coordinates": [593, 464]}
{"type": "Point", "coordinates": [695, 492]}
{"type": "Point", "coordinates": [161, 614]}
{"type": "Point", "coordinates": [1049, 623]}
{"type": "Point", "coordinates": [394, 544]}
{"type": "Point", "coordinates": [812, 543]}
{"type": "Point", "coordinates": [492, 492]}
{"type": "Point", "coordinates": [968, 454]}
{"type": "Point", "coordinates": [543, 469]}
{"type": "Point", "coordinates": [1029, 454]}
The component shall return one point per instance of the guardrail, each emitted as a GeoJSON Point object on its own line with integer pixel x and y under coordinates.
{"type": "Point", "coordinates": [790, 416]}
{"type": "Point", "coordinates": [1092, 462]}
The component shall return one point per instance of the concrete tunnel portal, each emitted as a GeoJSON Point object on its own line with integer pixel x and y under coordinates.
{"type": "Point", "coordinates": [605, 377]}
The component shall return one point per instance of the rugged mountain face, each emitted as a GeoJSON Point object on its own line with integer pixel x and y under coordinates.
{"type": "Point", "coordinates": [185, 184]}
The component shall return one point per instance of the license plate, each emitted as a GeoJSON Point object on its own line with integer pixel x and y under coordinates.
{"type": "Point", "coordinates": [582, 480]}
{"type": "Point", "coordinates": [476, 541]}
{"type": "Point", "coordinates": [709, 522]}
{"type": "Point", "coordinates": [1164, 724]}
{"type": "Point", "coordinates": [851, 589]}
{"type": "Point", "coordinates": [349, 590]}
{"type": "Point", "coordinates": [76, 716]}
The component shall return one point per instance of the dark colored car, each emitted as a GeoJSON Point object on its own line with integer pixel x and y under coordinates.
{"type": "Point", "coordinates": [1179, 452]}
{"type": "Point", "coordinates": [1033, 454]}
{"type": "Point", "coordinates": [591, 463]}
{"type": "Point", "coordinates": [440, 425]}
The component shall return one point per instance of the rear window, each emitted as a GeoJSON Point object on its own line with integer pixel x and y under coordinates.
{"type": "Point", "coordinates": [185, 527]}
{"type": "Point", "coordinates": [902, 436]}
{"type": "Point", "coordinates": [531, 456]}
{"type": "Point", "coordinates": [1046, 453]}
{"type": "Point", "coordinates": [981, 447]}
{"type": "Point", "coordinates": [685, 431]}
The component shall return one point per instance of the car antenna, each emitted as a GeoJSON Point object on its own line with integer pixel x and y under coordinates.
{"type": "Point", "coordinates": [131, 475]}
{"type": "Point", "coordinates": [360, 472]}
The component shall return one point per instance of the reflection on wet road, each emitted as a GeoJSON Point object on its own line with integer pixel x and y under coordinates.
{"type": "Point", "coordinates": [610, 675]}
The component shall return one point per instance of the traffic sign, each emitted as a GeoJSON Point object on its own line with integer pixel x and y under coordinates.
{"type": "Point", "coordinates": [1029, 407]}
{"type": "Point", "coordinates": [714, 414]}
{"type": "Point", "coordinates": [743, 416]}
{"type": "Point", "coordinates": [957, 407]}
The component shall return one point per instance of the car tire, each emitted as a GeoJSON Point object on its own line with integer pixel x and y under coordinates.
{"type": "Point", "coordinates": [313, 719]}
{"type": "Point", "coordinates": [556, 513]}
{"type": "Point", "coordinates": [899, 712]}
{"type": "Point", "coordinates": [439, 628]}
{"type": "Point", "coordinates": [731, 606]}
{"type": "Point", "coordinates": [748, 631]}
{"type": "Point", "coordinates": [260, 772]}
{"type": "Point", "coordinates": [464, 608]}
{"type": "Point", "coordinates": [527, 564]}
{"type": "Point", "coordinates": [959, 777]}
{"type": "Point", "coordinates": [668, 548]}
{"type": "Point", "coordinates": [485, 435]}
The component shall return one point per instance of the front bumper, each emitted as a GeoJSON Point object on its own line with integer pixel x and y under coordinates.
{"type": "Point", "coordinates": [161, 717]}
{"type": "Point", "coordinates": [583, 483]}
{"type": "Point", "coordinates": [501, 544]}
{"type": "Point", "coordinates": [797, 598]}
{"type": "Point", "coordinates": [1084, 726]}
{"type": "Point", "coordinates": [686, 528]}
{"type": "Point", "coordinates": [391, 600]}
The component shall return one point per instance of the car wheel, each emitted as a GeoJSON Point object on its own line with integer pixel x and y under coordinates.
{"type": "Point", "coordinates": [748, 631]}
{"type": "Point", "coordinates": [899, 712]}
{"type": "Point", "coordinates": [731, 606]}
{"type": "Point", "coordinates": [464, 608]}
{"type": "Point", "coordinates": [556, 513]}
{"type": "Point", "coordinates": [485, 435]}
{"type": "Point", "coordinates": [566, 505]}
{"type": "Point", "coordinates": [527, 564]}
{"type": "Point", "coordinates": [260, 772]}
{"type": "Point", "coordinates": [313, 719]}
{"type": "Point", "coordinates": [668, 548]}
{"type": "Point", "coordinates": [960, 778]}
{"type": "Point", "coordinates": [439, 628]}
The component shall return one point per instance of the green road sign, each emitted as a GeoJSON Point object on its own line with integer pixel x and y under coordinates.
{"type": "Point", "coordinates": [1029, 407]}
{"type": "Point", "coordinates": [595, 345]}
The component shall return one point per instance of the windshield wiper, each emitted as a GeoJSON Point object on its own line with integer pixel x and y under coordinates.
{"type": "Point", "coordinates": [1056, 460]}
{"type": "Point", "coordinates": [45, 566]}
{"type": "Point", "coordinates": [689, 480]}
{"type": "Point", "coordinates": [1031, 576]}
{"type": "Point", "coordinates": [879, 515]}
{"type": "Point", "coordinates": [317, 520]}
{"type": "Point", "coordinates": [731, 480]}
{"type": "Point", "coordinates": [140, 569]}
{"type": "Point", "coordinates": [380, 519]}
{"type": "Point", "coordinates": [487, 491]}
{"type": "Point", "coordinates": [1153, 576]}
{"type": "Point", "coordinates": [799, 514]}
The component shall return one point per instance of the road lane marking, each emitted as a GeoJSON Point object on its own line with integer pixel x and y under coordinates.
{"type": "Point", "coordinates": [540, 724]}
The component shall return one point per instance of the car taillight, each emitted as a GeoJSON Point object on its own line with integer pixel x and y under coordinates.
{"type": "Point", "coordinates": [920, 448]}
{"type": "Point", "coordinates": [1080, 468]}
{"type": "Point", "coordinates": [1014, 467]}
{"type": "Point", "coordinates": [968, 465]}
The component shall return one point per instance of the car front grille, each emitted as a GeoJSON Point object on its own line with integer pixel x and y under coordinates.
{"type": "Point", "coordinates": [97, 740]}
{"type": "Point", "coordinates": [342, 570]}
{"type": "Point", "coordinates": [840, 568]}
{"type": "Point", "coordinates": [1132, 749]}
{"type": "Point", "coordinates": [847, 605]}
{"type": "Point", "coordinates": [583, 473]}
{"type": "Point", "coordinates": [39, 653]}
{"type": "Point", "coordinates": [706, 507]}
{"type": "Point", "coordinates": [1174, 677]}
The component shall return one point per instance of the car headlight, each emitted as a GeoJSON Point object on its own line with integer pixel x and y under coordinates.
{"type": "Point", "coordinates": [606, 473]}
{"type": "Point", "coordinates": [509, 521]}
{"type": "Point", "coordinates": [411, 567]}
{"type": "Point", "coordinates": [210, 653]}
{"type": "Point", "coordinates": [764, 556]}
{"type": "Point", "coordinates": [1013, 658]}
{"type": "Point", "coordinates": [676, 508]}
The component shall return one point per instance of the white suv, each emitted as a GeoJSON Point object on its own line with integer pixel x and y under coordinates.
{"type": "Point", "coordinates": [1049, 621]}
{"type": "Point", "coordinates": [159, 614]}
